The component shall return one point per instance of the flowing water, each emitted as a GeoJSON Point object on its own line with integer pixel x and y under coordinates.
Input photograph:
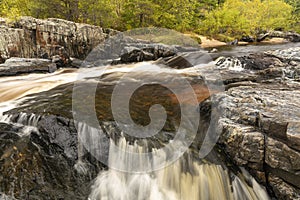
{"type": "Point", "coordinates": [243, 50]}
{"type": "Point", "coordinates": [184, 179]}
{"type": "Point", "coordinates": [188, 178]}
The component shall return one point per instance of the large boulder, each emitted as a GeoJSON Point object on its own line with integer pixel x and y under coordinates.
{"type": "Point", "coordinates": [14, 66]}
{"type": "Point", "coordinates": [31, 38]}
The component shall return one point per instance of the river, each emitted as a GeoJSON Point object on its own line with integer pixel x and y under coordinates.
{"type": "Point", "coordinates": [129, 176]}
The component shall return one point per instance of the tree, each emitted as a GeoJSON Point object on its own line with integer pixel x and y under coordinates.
{"type": "Point", "coordinates": [13, 9]}
{"type": "Point", "coordinates": [140, 13]}
{"type": "Point", "coordinates": [180, 15]}
{"type": "Point", "coordinates": [296, 13]}
{"type": "Point", "coordinates": [237, 17]}
{"type": "Point", "coordinates": [98, 12]}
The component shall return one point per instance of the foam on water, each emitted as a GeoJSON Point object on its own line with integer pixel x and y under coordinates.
{"type": "Point", "coordinates": [185, 179]}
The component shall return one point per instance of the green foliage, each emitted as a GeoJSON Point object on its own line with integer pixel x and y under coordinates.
{"type": "Point", "coordinates": [13, 9]}
{"type": "Point", "coordinates": [97, 12]}
{"type": "Point", "coordinates": [247, 17]}
{"type": "Point", "coordinates": [180, 15]}
{"type": "Point", "coordinates": [296, 14]}
{"type": "Point", "coordinates": [225, 18]}
{"type": "Point", "coordinates": [140, 13]}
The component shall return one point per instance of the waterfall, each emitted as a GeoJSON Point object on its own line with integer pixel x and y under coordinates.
{"type": "Point", "coordinates": [186, 179]}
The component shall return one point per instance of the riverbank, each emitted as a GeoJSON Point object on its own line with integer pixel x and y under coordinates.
{"type": "Point", "coordinates": [207, 42]}
{"type": "Point", "coordinates": [45, 38]}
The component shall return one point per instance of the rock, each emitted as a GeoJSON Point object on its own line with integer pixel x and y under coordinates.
{"type": "Point", "coordinates": [259, 61]}
{"type": "Point", "coordinates": [76, 63]}
{"type": "Point", "coordinates": [291, 36]}
{"type": "Point", "coordinates": [184, 60]}
{"type": "Point", "coordinates": [132, 54]}
{"type": "Point", "coordinates": [260, 117]}
{"type": "Point", "coordinates": [292, 54]}
{"type": "Point", "coordinates": [260, 128]}
{"type": "Point", "coordinates": [146, 52]}
{"type": "Point", "coordinates": [6, 197]}
{"type": "Point", "coordinates": [15, 66]}
{"type": "Point", "coordinates": [283, 190]}
{"type": "Point", "coordinates": [59, 40]}
{"type": "Point", "coordinates": [30, 37]}
{"type": "Point", "coordinates": [214, 50]}
{"type": "Point", "coordinates": [236, 136]}
{"type": "Point", "coordinates": [41, 165]}
{"type": "Point", "coordinates": [247, 39]}
{"type": "Point", "coordinates": [122, 49]}
{"type": "Point", "coordinates": [234, 42]}
{"type": "Point", "coordinates": [280, 156]}
{"type": "Point", "coordinates": [2, 60]}
{"type": "Point", "coordinates": [63, 59]}
{"type": "Point", "coordinates": [292, 134]}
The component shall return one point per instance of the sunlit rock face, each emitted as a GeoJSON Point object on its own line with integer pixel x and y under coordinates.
{"type": "Point", "coordinates": [30, 37]}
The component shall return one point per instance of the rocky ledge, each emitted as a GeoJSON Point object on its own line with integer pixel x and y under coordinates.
{"type": "Point", "coordinates": [35, 38]}
{"type": "Point", "coordinates": [260, 118]}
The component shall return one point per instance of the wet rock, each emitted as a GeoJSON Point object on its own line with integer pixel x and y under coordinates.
{"type": "Point", "coordinates": [260, 117]}
{"type": "Point", "coordinates": [44, 163]}
{"type": "Point", "coordinates": [292, 54]}
{"type": "Point", "coordinates": [248, 39]}
{"type": "Point", "coordinates": [282, 190]}
{"type": "Point", "coordinates": [259, 62]}
{"type": "Point", "coordinates": [236, 136]}
{"type": "Point", "coordinates": [15, 66]}
{"type": "Point", "coordinates": [76, 63]}
{"type": "Point", "coordinates": [260, 128]}
{"type": "Point", "coordinates": [280, 156]}
{"type": "Point", "coordinates": [234, 42]}
{"type": "Point", "coordinates": [291, 36]}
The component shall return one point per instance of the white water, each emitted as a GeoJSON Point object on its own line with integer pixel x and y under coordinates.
{"type": "Point", "coordinates": [230, 63]}
{"type": "Point", "coordinates": [183, 180]}
{"type": "Point", "coordinates": [13, 88]}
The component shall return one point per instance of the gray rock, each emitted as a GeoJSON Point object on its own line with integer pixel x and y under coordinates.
{"type": "Point", "coordinates": [14, 66]}
{"type": "Point", "coordinates": [280, 156]}
{"type": "Point", "coordinates": [30, 37]}
{"type": "Point", "coordinates": [42, 165]}
{"type": "Point", "coordinates": [282, 190]}
{"type": "Point", "coordinates": [259, 123]}
{"type": "Point", "coordinates": [236, 136]}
